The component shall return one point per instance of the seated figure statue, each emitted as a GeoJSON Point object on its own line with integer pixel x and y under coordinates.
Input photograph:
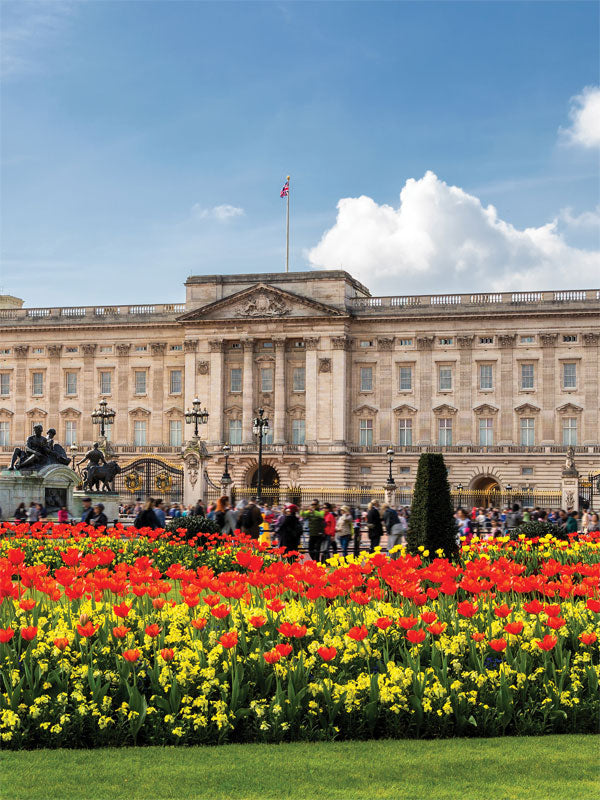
{"type": "Point", "coordinates": [56, 452]}
{"type": "Point", "coordinates": [35, 453]}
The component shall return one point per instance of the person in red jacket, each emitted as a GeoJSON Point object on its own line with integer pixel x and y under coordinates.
{"type": "Point", "coordinates": [329, 539]}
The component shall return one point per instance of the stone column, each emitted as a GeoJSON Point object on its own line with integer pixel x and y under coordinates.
{"type": "Point", "coordinates": [547, 434]}
{"type": "Point", "coordinates": [248, 391]}
{"type": "Point", "coordinates": [54, 388]}
{"type": "Point", "coordinates": [20, 430]}
{"type": "Point", "coordinates": [279, 428]}
{"type": "Point", "coordinates": [425, 345]}
{"type": "Point", "coordinates": [156, 435]}
{"type": "Point", "coordinates": [311, 344]}
{"type": "Point", "coordinates": [570, 483]}
{"type": "Point", "coordinates": [121, 433]}
{"type": "Point", "coordinates": [506, 343]}
{"type": "Point", "coordinates": [589, 434]}
{"type": "Point", "coordinates": [215, 402]}
{"type": "Point", "coordinates": [190, 348]}
{"type": "Point", "coordinates": [339, 393]}
{"type": "Point", "coordinates": [465, 390]}
{"type": "Point", "coordinates": [89, 394]}
{"type": "Point", "coordinates": [385, 381]}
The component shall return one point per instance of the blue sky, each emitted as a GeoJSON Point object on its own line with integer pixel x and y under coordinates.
{"type": "Point", "coordinates": [126, 124]}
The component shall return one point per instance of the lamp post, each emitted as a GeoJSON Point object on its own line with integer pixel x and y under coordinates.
{"type": "Point", "coordinates": [260, 427]}
{"type": "Point", "coordinates": [390, 486]}
{"type": "Point", "coordinates": [196, 416]}
{"type": "Point", "coordinates": [226, 477]}
{"type": "Point", "coordinates": [73, 450]}
{"type": "Point", "coordinates": [459, 488]}
{"type": "Point", "coordinates": [103, 416]}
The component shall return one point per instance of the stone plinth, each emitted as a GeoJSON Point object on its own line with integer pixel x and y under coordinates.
{"type": "Point", "coordinates": [110, 501]}
{"type": "Point", "coordinates": [51, 486]}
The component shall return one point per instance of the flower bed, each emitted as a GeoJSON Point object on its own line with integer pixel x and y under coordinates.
{"type": "Point", "coordinates": [107, 639]}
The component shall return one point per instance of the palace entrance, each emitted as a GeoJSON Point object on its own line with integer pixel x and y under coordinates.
{"type": "Point", "coordinates": [269, 477]}
{"type": "Point", "coordinates": [485, 483]}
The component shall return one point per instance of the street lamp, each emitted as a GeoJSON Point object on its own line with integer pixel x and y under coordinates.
{"type": "Point", "coordinates": [459, 488]}
{"type": "Point", "coordinates": [73, 450]}
{"type": "Point", "coordinates": [103, 416]}
{"type": "Point", "coordinates": [226, 477]}
{"type": "Point", "coordinates": [260, 428]}
{"type": "Point", "coordinates": [390, 457]}
{"type": "Point", "coordinates": [196, 416]}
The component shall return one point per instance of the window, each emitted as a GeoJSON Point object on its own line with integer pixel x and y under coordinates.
{"type": "Point", "coordinates": [106, 349]}
{"type": "Point", "coordinates": [70, 432]}
{"type": "Point", "coordinates": [37, 350]}
{"type": "Point", "coordinates": [569, 427]}
{"type": "Point", "coordinates": [486, 376]}
{"type": "Point", "coordinates": [405, 379]}
{"type": "Point", "coordinates": [140, 348]}
{"type": "Point", "coordinates": [445, 379]}
{"type": "Point", "coordinates": [298, 431]}
{"type": "Point", "coordinates": [5, 351]}
{"type": "Point", "coordinates": [365, 432]}
{"type": "Point", "coordinates": [404, 469]}
{"type": "Point", "coordinates": [175, 433]}
{"type": "Point", "coordinates": [405, 342]}
{"type": "Point", "coordinates": [301, 345]}
{"type": "Point", "coordinates": [4, 433]}
{"type": "Point", "coordinates": [405, 431]}
{"type": "Point", "coordinates": [235, 431]}
{"type": "Point", "coordinates": [527, 376]}
{"type": "Point", "coordinates": [108, 431]}
{"type": "Point", "coordinates": [570, 337]}
{"type": "Point", "coordinates": [37, 383]}
{"type": "Point", "coordinates": [175, 381]}
{"type": "Point", "coordinates": [527, 339]}
{"type": "Point", "coordinates": [176, 347]}
{"type": "Point", "coordinates": [4, 384]}
{"type": "Point", "coordinates": [365, 470]}
{"type": "Point", "coordinates": [446, 341]}
{"type": "Point", "coordinates": [70, 383]}
{"type": "Point", "coordinates": [486, 340]}
{"type": "Point", "coordinates": [366, 343]}
{"type": "Point", "coordinates": [71, 349]}
{"type": "Point", "coordinates": [526, 470]}
{"type": "Point", "coordinates": [105, 382]}
{"type": "Point", "coordinates": [569, 375]}
{"type": "Point", "coordinates": [299, 379]}
{"type": "Point", "coordinates": [527, 431]}
{"type": "Point", "coordinates": [366, 379]}
{"type": "Point", "coordinates": [139, 432]}
{"type": "Point", "coordinates": [445, 431]}
{"type": "Point", "coordinates": [266, 379]}
{"type": "Point", "coordinates": [267, 345]}
{"type": "Point", "coordinates": [236, 346]}
{"type": "Point", "coordinates": [140, 381]}
{"type": "Point", "coordinates": [235, 379]}
{"type": "Point", "coordinates": [486, 431]}
{"type": "Point", "coordinates": [268, 436]}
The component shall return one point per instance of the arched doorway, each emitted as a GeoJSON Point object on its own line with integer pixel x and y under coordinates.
{"type": "Point", "coordinates": [269, 477]}
{"type": "Point", "coordinates": [485, 483]}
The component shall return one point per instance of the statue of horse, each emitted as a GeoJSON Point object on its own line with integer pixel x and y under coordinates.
{"type": "Point", "coordinates": [94, 475]}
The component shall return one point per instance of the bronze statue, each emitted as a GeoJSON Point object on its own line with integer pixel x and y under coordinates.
{"type": "Point", "coordinates": [94, 457]}
{"type": "Point", "coordinates": [34, 455]}
{"type": "Point", "coordinates": [94, 475]}
{"type": "Point", "coordinates": [56, 452]}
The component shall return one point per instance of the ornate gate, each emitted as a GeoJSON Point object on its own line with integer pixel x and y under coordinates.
{"type": "Point", "coordinates": [150, 477]}
{"type": "Point", "coordinates": [589, 491]}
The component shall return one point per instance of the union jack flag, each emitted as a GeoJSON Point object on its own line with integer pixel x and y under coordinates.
{"type": "Point", "coordinates": [286, 189]}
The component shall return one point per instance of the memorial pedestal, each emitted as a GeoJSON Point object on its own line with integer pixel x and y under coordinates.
{"type": "Point", "coordinates": [110, 501]}
{"type": "Point", "coordinates": [51, 486]}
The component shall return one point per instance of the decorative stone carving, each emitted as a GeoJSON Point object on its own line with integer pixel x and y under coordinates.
{"type": "Point", "coordinates": [570, 470]}
{"type": "Point", "coordinates": [262, 305]}
{"type": "Point", "coordinates": [123, 349]}
{"type": "Point", "coordinates": [311, 342]}
{"type": "Point", "coordinates": [340, 342]}
{"type": "Point", "coordinates": [190, 345]}
{"type": "Point", "coordinates": [425, 342]}
{"type": "Point", "coordinates": [324, 365]}
{"type": "Point", "coordinates": [385, 343]}
{"type": "Point", "coordinates": [54, 350]}
{"type": "Point", "coordinates": [158, 348]}
{"type": "Point", "coordinates": [216, 345]}
{"type": "Point", "coordinates": [192, 466]}
{"type": "Point", "coordinates": [465, 342]}
{"type": "Point", "coordinates": [444, 410]}
{"type": "Point", "coordinates": [591, 339]}
{"type": "Point", "coordinates": [507, 340]}
{"type": "Point", "coordinates": [203, 367]}
{"type": "Point", "coordinates": [89, 349]}
{"type": "Point", "coordinates": [548, 339]}
{"type": "Point", "coordinates": [21, 350]}
{"type": "Point", "coordinates": [485, 408]}
{"type": "Point", "coordinates": [527, 408]}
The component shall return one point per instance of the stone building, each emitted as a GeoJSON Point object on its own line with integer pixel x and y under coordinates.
{"type": "Point", "coordinates": [501, 382]}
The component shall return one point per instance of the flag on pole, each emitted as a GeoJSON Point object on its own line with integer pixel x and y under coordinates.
{"type": "Point", "coordinates": [286, 188]}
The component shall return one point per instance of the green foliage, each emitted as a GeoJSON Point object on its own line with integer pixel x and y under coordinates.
{"type": "Point", "coordinates": [192, 525]}
{"type": "Point", "coordinates": [432, 524]}
{"type": "Point", "coordinates": [533, 529]}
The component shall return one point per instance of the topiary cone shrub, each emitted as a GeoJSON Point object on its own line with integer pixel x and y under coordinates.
{"type": "Point", "coordinates": [432, 524]}
{"type": "Point", "coordinates": [193, 526]}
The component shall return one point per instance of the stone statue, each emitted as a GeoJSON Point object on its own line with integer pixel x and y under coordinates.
{"type": "Point", "coordinates": [570, 469]}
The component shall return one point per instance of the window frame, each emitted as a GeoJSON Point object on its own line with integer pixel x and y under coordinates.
{"type": "Point", "coordinates": [445, 440]}
{"type": "Point", "coordinates": [172, 372]}
{"type": "Point", "coordinates": [485, 432]}
{"type": "Point", "coordinates": [366, 427]}
{"type": "Point", "coordinates": [140, 431]}
{"type": "Point", "coordinates": [299, 431]}
{"type": "Point", "coordinates": [564, 385]}
{"type": "Point", "coordinates": [267, 379]}
{"type": "Point", "coordinates": [529, 430]}
{"type": "Point", "coordinates": [175, 425]}
{"type": "Point", "coordinates": [480, 377]}
{"type": "Point", "coordinates": [296, 370]}
{"type": "Point", "coordinates": [136, 373]}
{"type": "Point", "coordinates": [234, 431]}
{"type": "Point", "coordinates": [362, 370]}
{"type": "Point", "coordinates": [41, 375]}
{"type": "Point", "coordinates": [405, 432]}
{"type": "Point", "coordinates": [237, 370]}
{"type": "Point", "coordinates": [445, 368]}
{"type": "Point", "coordinates": [102, 374]}
{"type": "Point", "coordinates": [401, 368]}
{"type": "Point", "coordinates": [522, 366]}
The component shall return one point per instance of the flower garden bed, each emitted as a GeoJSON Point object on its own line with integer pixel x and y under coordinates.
{"type": "Point", "coordinates": [109, 638]}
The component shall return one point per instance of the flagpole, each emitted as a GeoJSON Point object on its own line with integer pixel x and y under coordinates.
{"type": "Point", "coordinates": [287, 231]}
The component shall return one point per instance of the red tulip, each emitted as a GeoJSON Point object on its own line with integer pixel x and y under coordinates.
{"type": "Point", "coordinates": [16, 556]}
{"type": "Point", "coordinates": [587, 638]}
{"type": "Point", "coordinates": [6, 634]}
{"type": "Point", "coordinates": [229, 640]}
{"type": "Point", "coordinates": [272, 656]}
{"type": "Point", "coordinates": [552, 611]}
{"type": "Point", "coordinates": [159, 602]}
{"type": "Point", "coordinates": [383, 623]}
{"type": "Point", "coordinates": [257, 621]}
{"type": "Point", "coordinates": [407, 622]}
{"type": "Point", "coordinates": [502, 611]}
{"type": "Point", "coordinates": [122, 610]}
{"type": "Point", "coordinates": [152, 630]}
{"type": "Point", "coordinates": [548, 642]}
{"type": "Point", "coordinates": [533, 607]}
{"type": "Point", "coordinates": [358, 633]}
{"type": "Point", "coordinates": [467, 609]}
{"type": "Point", "coordinates": [498, 645]}
{"type": "Point", "coordinates": [120, 632]}
{"type": "Point", "coordinates": [29, 633]}
{"type": "Point", "coordinates": [212, 600]}
{"type": "Point", "coordinates": [191, 600]}
{"type": "Point", "coordinates": [436, 628]}
{"type": "Point", "coordinates": [327, 653]}
{"type": "Point", "coordinates": [87, 630]}
{"type": "Point", "coordinates": [167, 654]}
{"type": "Point", "coordinates": [199, 623]}
{"type": "Point", "coordinates": [220, 612]}
{"type": "Point", "coordinates": [593, 605]}
{"type": "Point", "coordinates": [131, 655]}
{"type": "Point", "coordinates": [416, 637]}
{"type": "Point", "coordinates": [428, 617]}
{"type": "Point", "coordinates": [284, 649]}
{"type": "Point", "coordinates": [555, 622]}
{"type": "Point", "coordinates": [477, 636]}
{"type": "Point", "coordinates": [61, 643]}
{"type": "Point", "coordinates": [27, 604]}
{"type": "Point", "coordinates": [514, 628]}
{"type": "Point", "coordinates": [276, 606]}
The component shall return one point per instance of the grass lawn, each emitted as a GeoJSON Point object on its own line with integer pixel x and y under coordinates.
{"type": "Point", "coordinates": [536, 768]}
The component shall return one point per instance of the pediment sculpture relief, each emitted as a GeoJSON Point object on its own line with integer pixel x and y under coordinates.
{"type": "Point", "coordinates": [262, 305]}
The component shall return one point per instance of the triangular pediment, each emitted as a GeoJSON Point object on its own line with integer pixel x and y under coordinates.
{"type": "Point", "coordinates": [70, 412]}
{"type": "Point", "coordinates": [37, 412]}
{"type": "Point", "coordinates": [405, 409]}
{"type": "Point", "coordinates": [527, 408]}
{"type": "Point", "coordinates": [261, 301]}
{"type": "Point", "coordinates": [444, 408]}
{"type": "Point", "coordinates": [174, 412]}
{"type": "Point", "coordinates": [365, 409]}
{"type": "Point", "coordinates": [485, 408]}
{"type": "Point", "coordinates": [232, 410]}
{"type": "Point", "coordinates": [569, 408]}
{"type": "Point", "coordinates": [140, 412]}
{"type": "Point", "coordinates": [6, 412]}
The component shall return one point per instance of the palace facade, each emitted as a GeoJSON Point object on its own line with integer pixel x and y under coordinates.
{"type": "Point", "coordinates": [502, 383]}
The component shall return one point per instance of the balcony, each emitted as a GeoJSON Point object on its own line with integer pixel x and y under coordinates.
{"type": "Point", "coordinates": [91, 314]}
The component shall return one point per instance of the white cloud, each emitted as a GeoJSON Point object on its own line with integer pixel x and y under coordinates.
{"type": "Point", "coordinates": [587, 219]}
{"type": "Point", "coordinates": [441, 239]}
{"type": "Point", "coordinates": [585, 119]}
{"type": "Point", "coordinates": [220, 213]}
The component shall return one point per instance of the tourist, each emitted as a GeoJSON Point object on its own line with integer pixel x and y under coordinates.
{"type": "Point", "coordinates": [251, 519]}
{"type": "Point", "coordinates": [220, 510]}
{"type": "Point", "coordinates": [316, 528]}
{"type": "Point", "coordinates": [33, 513]}
{"type": "Point", "coordinates": [328, 541]}
{"type": "Point", "coordinates": [160, 513]}
{"type": "Point", "coordinates": [231, 520]}
{"type": "Point", "coordinates": [147, 517]}
{"type": "Point", "coordinates": [374, 526]}
{"type": "Point", "coordinates": [290, 530]}
{"type": "Point", "coordinates": [513, 518]}
{"type": "Point", "coordinates": [198, 510]}
{"type": "Point", "coordinates": [571, 523]}
{"type": "Point", "coordinates": [63, 515]}
{"type": "Point", "coordinates": [21, 513]}
{"type": "Point", "coordinates": [343, 530]}
{"type": "Point", "coordinates": [393, 527]}
{"type": "Point", "coordinates": [98, 518]}
{"type": "Point", "coordinates": [357, 517]}
{"type": "Point", "coordinates": [594, 523]}
{"type": "Point", "coordinates": [87, 510]}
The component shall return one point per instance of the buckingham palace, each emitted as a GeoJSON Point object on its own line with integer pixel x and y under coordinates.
{"type": "Point", "coordinates": [501, 382]}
